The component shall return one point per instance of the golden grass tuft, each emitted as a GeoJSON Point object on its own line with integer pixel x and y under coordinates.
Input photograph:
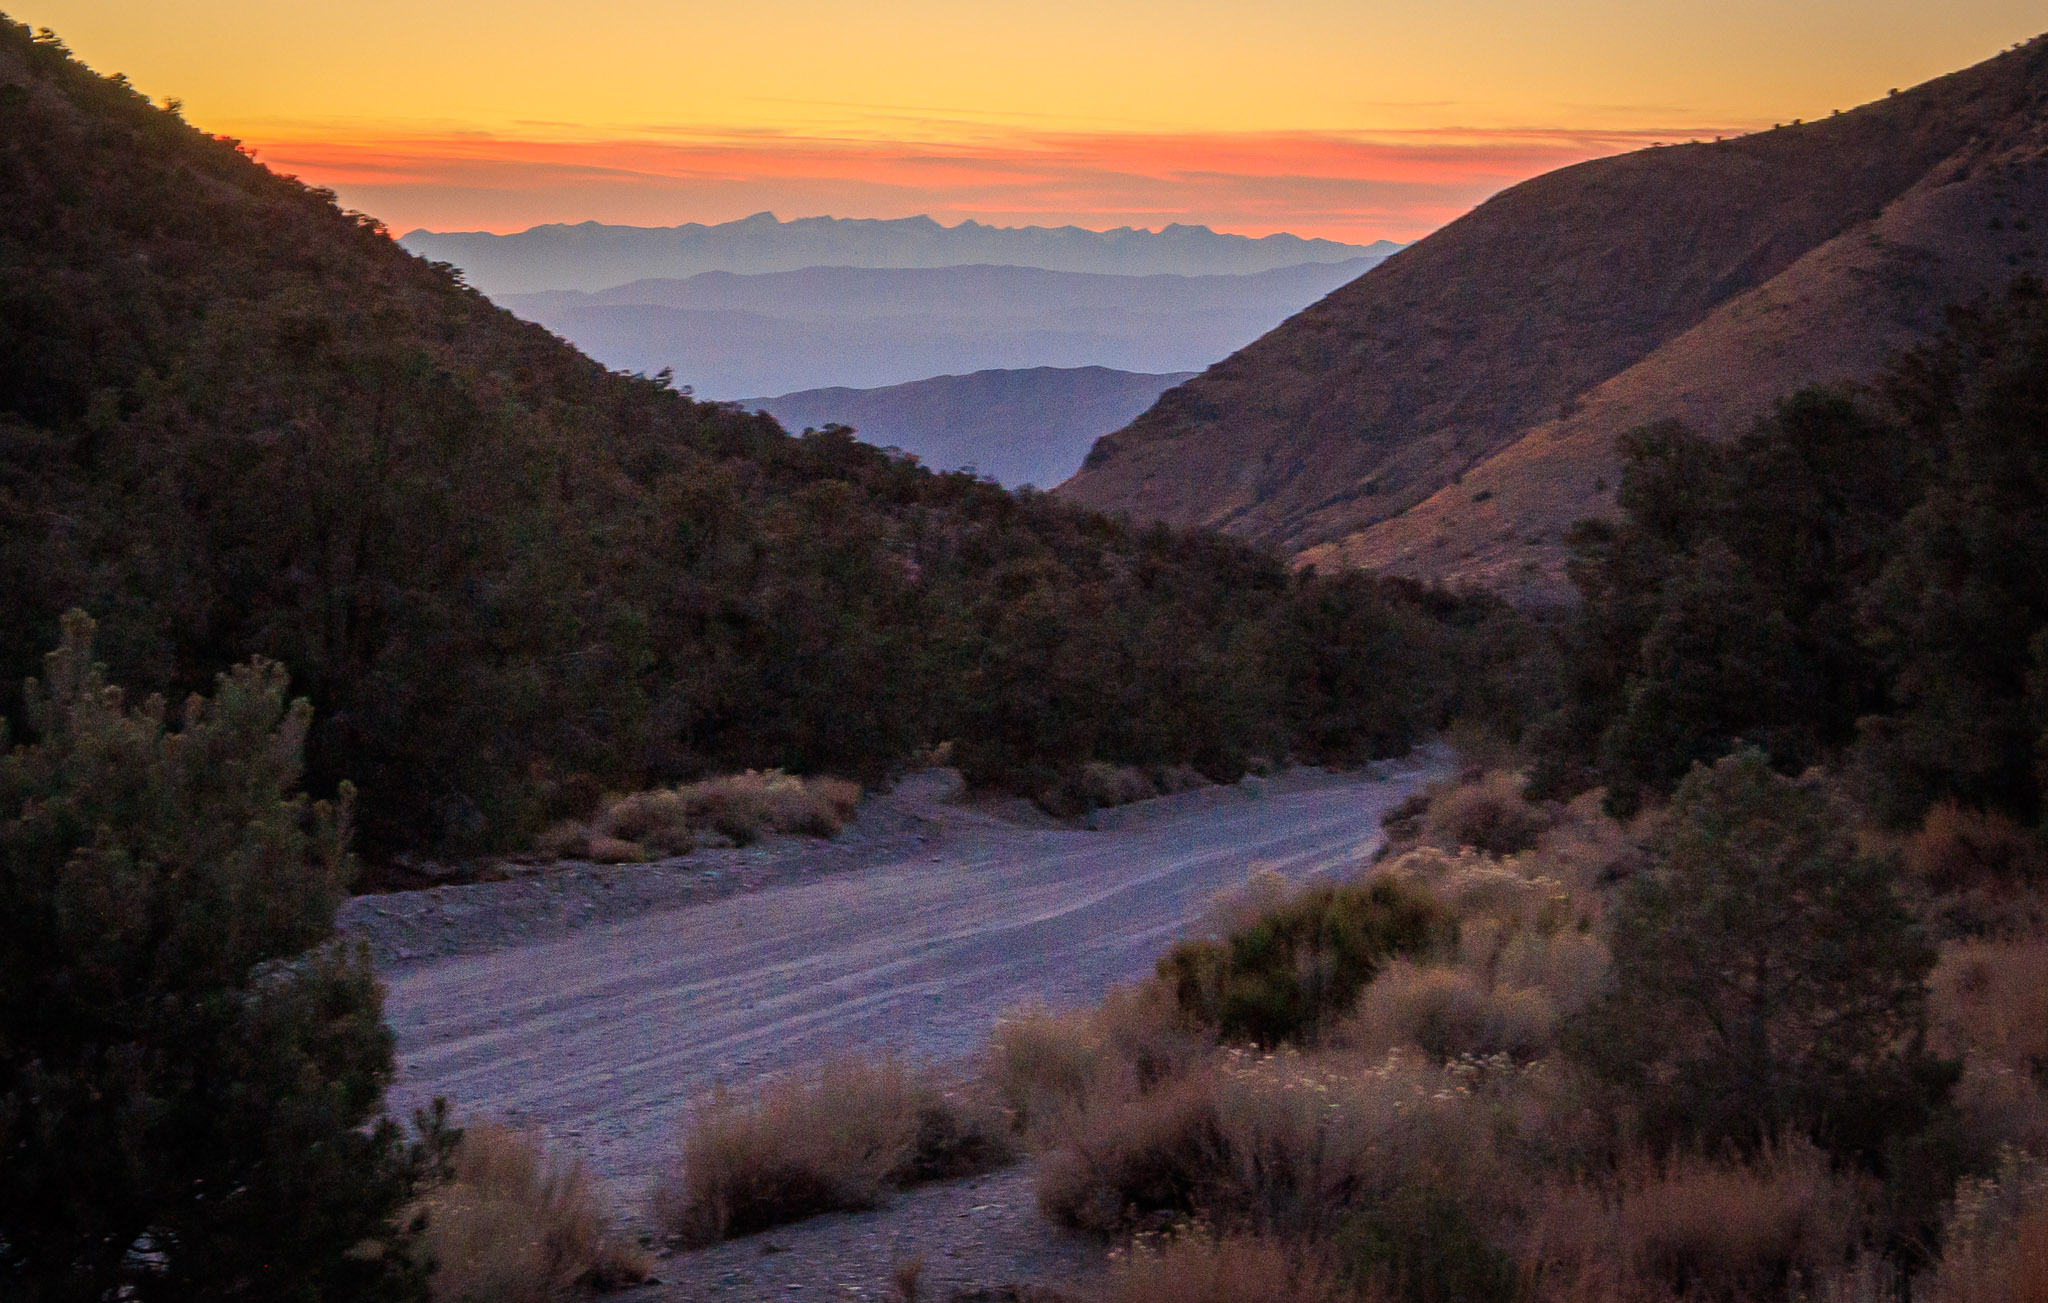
{"type": "Point", "coordinates": [519, 1225]}
{"type": "Point", "coordinates": [669, 821]}
{"type": "Point", "coordinates": [839, 1140]}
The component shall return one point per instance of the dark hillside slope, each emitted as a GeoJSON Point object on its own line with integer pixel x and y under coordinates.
{"type": "Point", "coordinates": [1394, 386]}
{"type": "Point", "coordinates": [235, 420]}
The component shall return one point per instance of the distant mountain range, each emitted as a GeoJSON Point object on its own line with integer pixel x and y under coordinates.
{"type": "Point", "coordinates": [1017, 427]}
{"type": "Point", "coordinates": [593, 256]}
{"type": "Point", "coordinates": [730, 335]}
{"type": "Point", "coordinates": [1451, 413]}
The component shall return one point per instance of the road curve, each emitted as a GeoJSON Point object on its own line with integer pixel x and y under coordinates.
{"type": "Point", "coordinates": [602, 1038]}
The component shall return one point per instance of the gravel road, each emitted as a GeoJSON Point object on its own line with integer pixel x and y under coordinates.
{"type": "Point", "coordinates": [602, 1036]}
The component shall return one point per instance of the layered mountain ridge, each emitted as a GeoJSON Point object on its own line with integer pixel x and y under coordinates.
{"type": "Point", "coordinates": [729, 335]}
{"type": "Point", "coordinates": [594, 256]}
{"type": "Point", "coordinates": [1449, 413]}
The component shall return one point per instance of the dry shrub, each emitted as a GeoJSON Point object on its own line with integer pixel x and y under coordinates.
{"type": "Point", "coordinates": [1523, 962]}
{"type": "Point", "coordinates": [665, 822]}
{"type": "Point", "coordinates": [518, 1225]}
{"type": "Point", "coordinates": [563, 841]}
{"type": "Point", "coordinates": [1958, 849]}
{"type": "Point", "coordinates": [1276, 1143]}
{"type": "Point", "coordinates": [1988, 1006]}
{"type": "Point", "coordinates": [1448, 1013]}
{"type": "Point", "coordinates": [1698, 1228]}
{"type": "Point", "coordinates": [1043, 1065]}
{"type": "Point", "coordinates": [1201, 1268]}
{"type": "Point", "coordinates": [742, 806]}
{"type": "Point", "coordinates": [1487, 814]}
{"type": "Point", "coordinates": [1107, 785]}
{"type": "Point", "coordinates": [1995, 1244]}
{"type": "Point", "coordinates": [1041, 1062]}
{"type": "Point", "coordinates": [1569, 967]}
{"type": "Point", "coordinates": [840, 1140]}
{"type": "Point", "coordinates": [658, 820]}
{"type": "Point", "coordinates": [1264, 892]}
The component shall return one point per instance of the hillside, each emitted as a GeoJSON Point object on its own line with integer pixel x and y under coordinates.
{"type": "Point", "coordinates": [1016, 427]}
{"type": "Point", "coordinates": [593, 256]}
{"type": "Point", "coordinates": [237, 421]}
{"type": "Point", "coordinates": [1447, 414]}
{"type": "Point", "coordinates": [732, 336]}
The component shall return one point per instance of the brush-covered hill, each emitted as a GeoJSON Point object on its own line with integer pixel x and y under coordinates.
{"type": "Point", "coordinates": [1449, 413]}
{"type": "Point", "coordinates": [236, 420]}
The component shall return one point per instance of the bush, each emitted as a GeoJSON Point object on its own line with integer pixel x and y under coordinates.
{"type": "Point", "coordinates": [739, 807]}
{"type": "Point", "coordinates": [1449, 1013]}
{"type": "Point", "coordinates": [515, 1224]}
{"type": "Point", "coordinates": [1290, 973]}
{"type": "Point", "coordinates": [1488, 815]}
{"type": "Point", "coordinates": [189, 1084]}
{"type": "Point", "coordinates": [1278, 1143]}
{"type": "Point", "coordinates": [839, 1141]}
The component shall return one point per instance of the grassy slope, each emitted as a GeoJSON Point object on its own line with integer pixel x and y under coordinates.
{"type": "Point", "coordinates": [1698, 280]}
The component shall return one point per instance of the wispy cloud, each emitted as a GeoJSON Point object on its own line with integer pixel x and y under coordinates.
{"type": "Point", "coordinates": [1396, 185]}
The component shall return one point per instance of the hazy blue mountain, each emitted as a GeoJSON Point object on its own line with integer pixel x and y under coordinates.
{"type": "Point", "coordinates": [729, 335]}
{"type": "Point", "coordinates": [1019, 427]}
{"type": "Point", "coordinates": [591, 256]}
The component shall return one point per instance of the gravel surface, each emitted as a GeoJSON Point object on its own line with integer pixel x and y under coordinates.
{"type": "Point", "coordinates": [597, 1003]}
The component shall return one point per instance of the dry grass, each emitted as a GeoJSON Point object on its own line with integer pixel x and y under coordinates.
{"type": "Point", "coordinates": [518, 1225]}
{"type": "Point", "coordinates": [669, 821]}
{"type": "Point", "coordinates": [1200, 1268]}
{"type": "Point", "coordinates": [842, 1139]}
{"type": "Point", "coordinates": [1695, 1228]}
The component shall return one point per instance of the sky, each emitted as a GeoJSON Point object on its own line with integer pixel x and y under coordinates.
{"type": "Point", "coordinates": [1349, 120]}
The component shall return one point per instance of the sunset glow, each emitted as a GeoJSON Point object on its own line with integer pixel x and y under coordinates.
{"type": "Point", "coordinates": [1352, 121]}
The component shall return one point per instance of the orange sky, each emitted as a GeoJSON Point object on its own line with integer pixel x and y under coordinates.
{"type": "Point", "coordinates": [1351, 120]}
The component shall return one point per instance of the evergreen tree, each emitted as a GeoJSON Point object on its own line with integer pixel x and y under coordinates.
{"type": "Point", "coordinates": [188, 1077]}
{"type": "Point", "coordinates": [1768, 980]}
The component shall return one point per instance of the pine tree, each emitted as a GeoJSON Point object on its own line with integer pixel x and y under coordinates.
{"type": "Point", "coordinates": [189, 1070]}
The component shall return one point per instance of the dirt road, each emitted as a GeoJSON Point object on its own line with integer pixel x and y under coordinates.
{"type": "Point", "coordinates": [601, 1038]}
